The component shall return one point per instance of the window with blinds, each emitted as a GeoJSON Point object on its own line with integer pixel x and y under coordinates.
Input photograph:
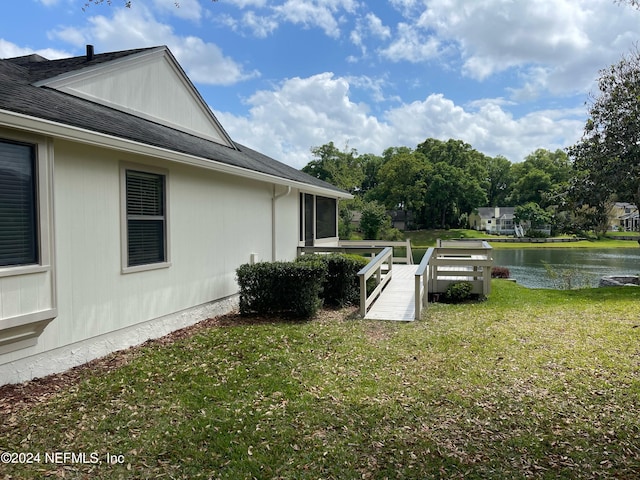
{"type": "Point", "coordinates": [18, 207]}
{"type": "Point", "coordinates": [146, 218]}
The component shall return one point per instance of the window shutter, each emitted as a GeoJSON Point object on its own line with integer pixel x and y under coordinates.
{"type": "Point", "coordinates": [18, 217]}
{"type": "Point", "coordinates": [145, 218]}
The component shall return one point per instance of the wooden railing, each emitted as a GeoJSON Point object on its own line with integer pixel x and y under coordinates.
{"type": "Point", "coordinates": [452, 261]}
{"type": "Point", "coordinates": [462, 260]}
{"type": "Point", "coordinates": [423, 288]}
{"type": "Point", "coordinates": [380, 258]}
{"type": "Point", "coordinates": [374, 267]}
{"type": "Point", "coordinates": [407, 258]}
{"type": "Point", "coordinates": [372, 251]}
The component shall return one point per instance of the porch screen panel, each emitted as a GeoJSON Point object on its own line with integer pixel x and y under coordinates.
{"type": "Point", "coordinates": [18, 211]}
{"type": "Point", "coordinates": [146, 218]}
{"type": "Point", "coordinates": [326, 217]}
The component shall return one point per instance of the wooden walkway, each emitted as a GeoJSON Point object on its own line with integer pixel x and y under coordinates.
{"type": "Point", "coordinates": [397, 300]}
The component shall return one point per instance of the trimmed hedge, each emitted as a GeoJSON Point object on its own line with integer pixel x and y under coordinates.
{"type": "Point", "coordinates": [341, 284]}
{"type": "Point", "coordinates": [281, 287]}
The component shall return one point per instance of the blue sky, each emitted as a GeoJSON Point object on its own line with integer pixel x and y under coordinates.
{"type": "Point", "coordinates": [283, 76]}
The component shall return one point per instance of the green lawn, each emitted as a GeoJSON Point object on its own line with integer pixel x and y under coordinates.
{"type": "Point", "coordinates": [529, 384]}
{"type": "Point", "coordinates": [427, 238]}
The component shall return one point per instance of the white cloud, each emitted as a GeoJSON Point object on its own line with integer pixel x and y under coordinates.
{"type": "Point", "coordinates": [261, 25]}
{"type": "Point", "coordinates": [488, 128]}
{"type": "Point", "coordinates": [376, 26]}
{"type": "Point", "coordinates": [204, 62]}
{"type": "Point", "coordinates": [247, 3]}
{"type": "Point", "coordinates": [309, 14]}
{"type": "Point", "coordinates": [412, 45]}
{"type": "Point", "coordinates": [323, 14]}
{"type": "Point", "coordinates": [304, 112]}
{"type": "Point", "coordinates": [369, 26]}
{"type": "Point", "coordinates": [186, 9]}
{"type": "Point", "coordinates": [555, 46]}
{"type": "Point", "coordinates": [10, 50]}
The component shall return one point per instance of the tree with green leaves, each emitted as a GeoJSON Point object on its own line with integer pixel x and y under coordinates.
{"type": "Point", "coordinates": [532, 214]}
{"type": "Point", "coordinates": [342, 168]}
{"type": "Point", "coordinates": [499, 181]}
{"type": "Point", "coordinates": [607, 158]}
{"type": "Point", "coordinates": [456, 182]}
{"type": "Point", "coordinates": [374, 220]}
{"type": "Point", "coordinates": [401, 180]}
{"type": "Point", "coordinates": [540, 178]}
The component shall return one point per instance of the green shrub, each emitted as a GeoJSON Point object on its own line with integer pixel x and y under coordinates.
{"type": "Point", "coordinates": [341, 284]}
{"type": "Point", "coordinates": [458, 292]}
{"type": "Point", "coordinates": [281, 287]}
{"type": "Point", "coordinates": [535, 234]}
{"type": "Point", "coordinates": [373, 220]}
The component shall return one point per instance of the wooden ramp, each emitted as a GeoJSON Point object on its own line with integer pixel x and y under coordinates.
{"type": "Point", "coordinates": [397, 300]}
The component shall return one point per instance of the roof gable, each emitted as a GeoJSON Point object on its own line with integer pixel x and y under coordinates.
{"type": "Point", "coordinates": [149, 84]}
{"type": "Point", "coordinates": [50, 111]}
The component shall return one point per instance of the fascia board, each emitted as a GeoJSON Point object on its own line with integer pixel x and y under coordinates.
{"type": "Point", "coordinates": [46, 127]}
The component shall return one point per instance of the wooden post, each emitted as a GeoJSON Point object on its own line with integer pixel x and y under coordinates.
{"type": "Point", "coordinates": [363, 295]}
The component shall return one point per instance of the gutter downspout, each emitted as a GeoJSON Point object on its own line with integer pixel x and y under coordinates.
{"type": "Point", "coordinates": [273, 218]}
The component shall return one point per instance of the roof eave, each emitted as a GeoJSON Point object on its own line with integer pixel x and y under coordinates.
{"type": "Point", "coordinates": [41, 126]}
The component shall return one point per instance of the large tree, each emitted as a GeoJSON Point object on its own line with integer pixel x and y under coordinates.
{"type": "Point", "coordinates": [540, 178]}
{"type": "Point", "coordinates": [499, 181]}
{"type": "Point", "coordinates": [401, 180]}
{"type": "Point", "coordinates": [342, 168]}
{"type": "Point", "coordinates": [608, 155]}
{"type": "Point", "coordinates": [457, 182]}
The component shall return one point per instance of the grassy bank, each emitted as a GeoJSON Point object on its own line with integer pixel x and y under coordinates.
{"type": "Point", "coordinates": [529, 384]}
{"type": "Point", "coordinates": [427, 238]}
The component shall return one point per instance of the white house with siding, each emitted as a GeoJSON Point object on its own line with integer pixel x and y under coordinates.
{"type": "Point", "coordinates": [497, 220]}
{"type": "Point", "coordinates": [125, 208]}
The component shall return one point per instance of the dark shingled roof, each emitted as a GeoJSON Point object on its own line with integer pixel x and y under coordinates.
{"type": "Point", "coordinates": [18, 94]}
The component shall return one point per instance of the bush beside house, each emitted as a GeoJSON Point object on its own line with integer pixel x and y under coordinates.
{"type": "Point", "coordinates": [341, 285]}
{"type": "Point", "coordinates": [280, 287]}
{"type": "Point", "coordinates": [301, 287]}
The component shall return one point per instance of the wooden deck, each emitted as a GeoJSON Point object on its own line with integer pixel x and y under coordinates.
{"type": "Point", "coordinates": [396, 302]}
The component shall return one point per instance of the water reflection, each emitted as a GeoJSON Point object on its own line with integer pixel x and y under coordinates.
{"type": "Point", "coordinates": [527, 265]}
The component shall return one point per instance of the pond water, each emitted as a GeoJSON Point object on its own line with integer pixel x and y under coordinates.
{"type": "Point", "coordinates": [585, 266]}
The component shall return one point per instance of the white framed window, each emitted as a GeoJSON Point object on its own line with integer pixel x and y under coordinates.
{"type": "Point", "coordinates": [318, 218]}
{"type": "Point", "coordinates": [326, 217]}
{"type": "Point", "coordinates": [26, 239]}
{"type": "Point", "coordinates": [145, 219]}
{"type": "Point", "coordinates": [18, 205]}
{"type": "Point", "coordinates": [25, 204]}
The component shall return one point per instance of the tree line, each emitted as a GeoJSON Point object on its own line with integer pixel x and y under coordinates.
{"type": "Point", "coordinates": [440, 183]}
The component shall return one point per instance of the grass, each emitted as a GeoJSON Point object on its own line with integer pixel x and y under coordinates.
{"type": "Point", "coordinates": [427, 238]}
{"type": "Point", "coordinates": [529, 384]}
{"type": "Point", "coordinates": [421, 239]}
